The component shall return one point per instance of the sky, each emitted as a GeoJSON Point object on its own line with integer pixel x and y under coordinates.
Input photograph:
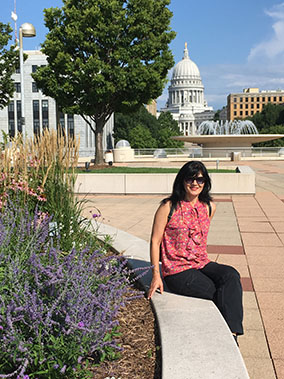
{"type": "Point", "coordinates": [235, 44]}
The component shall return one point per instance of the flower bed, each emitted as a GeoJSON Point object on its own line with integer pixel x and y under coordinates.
{"type": "Point", "coordinates": [59, 293]}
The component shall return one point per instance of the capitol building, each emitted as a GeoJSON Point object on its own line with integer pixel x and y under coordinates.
{"type": "Point", "coordinates": [186, 100]}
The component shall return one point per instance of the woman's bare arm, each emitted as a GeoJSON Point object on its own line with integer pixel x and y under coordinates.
{"type": "Point", "coordinates": [159, 224]}
{"type": "Point", "coordinates": [213, 209]}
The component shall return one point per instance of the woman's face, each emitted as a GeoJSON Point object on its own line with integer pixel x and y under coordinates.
{"type": "Point", "coordinates": [194, 186]}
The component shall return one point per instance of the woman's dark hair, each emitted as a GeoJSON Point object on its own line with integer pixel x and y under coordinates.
{"type": "Point", "coordinates": [190, 170]}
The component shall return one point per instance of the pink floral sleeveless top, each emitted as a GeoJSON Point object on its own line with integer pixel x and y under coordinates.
{"type": "Point", "coordinates": [185, 239]}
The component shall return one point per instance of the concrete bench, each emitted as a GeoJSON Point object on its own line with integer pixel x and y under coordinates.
{"type": "Point", "coordinates": [196, 341]}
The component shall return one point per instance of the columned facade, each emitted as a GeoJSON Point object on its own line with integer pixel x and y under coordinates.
{"type": "Point", "coordinates": [41, 112]}
{"type": "Point", "coordinates": [186, 100]}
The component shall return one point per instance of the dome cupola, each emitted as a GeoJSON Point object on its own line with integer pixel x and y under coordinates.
{"type": "Point", "coordinates": [186, 68]}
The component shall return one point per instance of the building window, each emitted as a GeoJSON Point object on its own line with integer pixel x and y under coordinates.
{"type": "Point", "coordinates": [235, 99]}
{"type": "Point", "coordinates": [70, 125]}
{"type": "Point", "coordinates": [235, 113]}
{"type": "Point", "coordinates": [269, 98]}
{"type": "Point", "coordinates": [247, 106]}
{"type": "Point", "coordinates": [274, 98]}
{"type": "Point", "coordinates": [11, 119]}
{"type": "Point", "coordinates": [241, 113]}
{"type": "Point", "coordinates": [235, 106]}
{"type": "Point", "coordinates": [252, 99]}
{"type": "Point", "coordinates": [34, 87]}
{"type": "Point", "coordinates": [44, 113]}
{"type": "Point", "coordinates": [19, 116]}
{"type": "Point", "coordinates": [17, 86]}
{"type": "Point", "coordinates": [263, 99]}
{"type": "Point", "coordinates": [34, 68]}
{"type": "Point", "coordinates": [257, 99]}
{"type": "Point", "coordinates": [247, 99]}
{"type": "Point", "coordinates": [61, 120]}
{"type": "Point", "coordinates": [241, 99]}
{"type": "Point", "coordinates": [252, 106]}
{"type": "Point", "coordinates": [280, 98]}
{"type": "Point", "coordinates": [36, 117]}
{"type": "Point", "coordinates": [241, 106]}
{"type": "Point", "coordinates": [251, 113]}
{"type": "Point", "coordinates": [247, 113]}
{"type": "Point", "coordinates": [257, 105]}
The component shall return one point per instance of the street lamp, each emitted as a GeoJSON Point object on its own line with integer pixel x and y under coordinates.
{"type": "Point", "coordinates": [26, 30]}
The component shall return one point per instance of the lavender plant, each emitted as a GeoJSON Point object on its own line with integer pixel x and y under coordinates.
{"type": "Point", "coordinates": [55, 310]}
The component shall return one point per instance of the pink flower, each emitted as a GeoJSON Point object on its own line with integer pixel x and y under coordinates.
{"type": "Point", "coordinates": [41, 198]}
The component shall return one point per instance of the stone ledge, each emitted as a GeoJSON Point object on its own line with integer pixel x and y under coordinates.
{"type": "Point", "coordinates": [242, 182]}
{"type": "Point", "coordinates": [196, 341]}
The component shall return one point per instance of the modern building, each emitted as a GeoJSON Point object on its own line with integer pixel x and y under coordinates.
{"type": "Point", "coordinates": [41, 112]}
{"type": "Point", "coordinates": [251, 101]}
{"type": "Point", "coordinates": [186, 100]}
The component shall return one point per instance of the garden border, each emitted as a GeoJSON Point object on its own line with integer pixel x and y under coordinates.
{"type": "Point", "coordinates": [241, 182]}
{"type": "Point", "coordinates": [196, 341]}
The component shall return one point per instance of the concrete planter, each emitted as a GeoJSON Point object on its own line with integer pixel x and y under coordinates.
{"type": "Point", "coordinates": [242, 182]}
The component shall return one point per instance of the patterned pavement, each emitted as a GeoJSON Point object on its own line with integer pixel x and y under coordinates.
{"type": "Point", "coordinates": [246, 232]}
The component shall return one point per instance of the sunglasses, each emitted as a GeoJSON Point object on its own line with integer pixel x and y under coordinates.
{"type": "Point", "coordinates": [199, 180]}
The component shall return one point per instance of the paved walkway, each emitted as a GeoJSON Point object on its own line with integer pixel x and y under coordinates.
{"type": "Point", "coordinates": [246, 232]}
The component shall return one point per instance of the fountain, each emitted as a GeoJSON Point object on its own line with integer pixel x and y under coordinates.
{"type": "Point", "coordinates": [228, 138]}
{"type": "Point", "coordinates": [228, 127]}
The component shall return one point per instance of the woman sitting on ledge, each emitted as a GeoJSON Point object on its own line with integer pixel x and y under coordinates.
{"type": "Point", "coordinates": [179, 238]}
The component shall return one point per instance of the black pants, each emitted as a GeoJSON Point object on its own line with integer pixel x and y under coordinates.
{"type": "Point", "coordinates": [216, 282]}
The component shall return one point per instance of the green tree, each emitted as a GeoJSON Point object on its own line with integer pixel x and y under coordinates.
{"type": "Point", "coordinates": [275, 129]}
{"type": "Point", "coordinates": [269, 116]}
{"type": "Point", "coordinates": [217, 115]}
{"type": "Point", "coordinates": [168, 128]}
{"type": "Point", "coordinates": [105, 56]}
{"type": "Point", "coordinates": [161, 129]}
{"type": "Point", "coordinates": [124, 123]}
{"type": "Point", "coordinates": [9, 60]}
{"type": "Point", "coordinates": [140, 137]}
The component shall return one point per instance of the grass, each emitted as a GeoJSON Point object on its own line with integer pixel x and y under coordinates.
{"type": "Point", "coordinates": [141, 170]}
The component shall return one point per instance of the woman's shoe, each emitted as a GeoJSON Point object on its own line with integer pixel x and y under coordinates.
{"type": "Point", "coordinates": [236, 339]}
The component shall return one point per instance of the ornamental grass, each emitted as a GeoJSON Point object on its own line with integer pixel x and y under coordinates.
{"type": "Point", "coordinates": [59, 292]}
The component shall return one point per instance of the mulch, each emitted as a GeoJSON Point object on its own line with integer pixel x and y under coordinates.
{"type": "Point", "coordinates": [141, 355]}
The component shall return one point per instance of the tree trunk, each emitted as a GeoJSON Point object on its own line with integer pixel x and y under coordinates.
{"type": "Point", "coordinates": [99, 157]}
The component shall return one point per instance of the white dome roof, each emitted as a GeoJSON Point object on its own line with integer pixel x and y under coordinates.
{"type": "Point", "coordinates": [186, 68]}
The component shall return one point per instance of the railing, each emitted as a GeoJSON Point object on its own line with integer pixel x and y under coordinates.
{"type": "Point", "coordinates": [201, 152]}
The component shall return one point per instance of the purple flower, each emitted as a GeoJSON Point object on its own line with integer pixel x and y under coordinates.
{"type": "Point", "coordinates": [56, 297]}
{"type": "Point", "coordinates": [95, 215]}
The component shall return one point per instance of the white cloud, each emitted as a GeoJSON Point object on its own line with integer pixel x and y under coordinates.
{"type": "Point", "coordinates": [274, 47]}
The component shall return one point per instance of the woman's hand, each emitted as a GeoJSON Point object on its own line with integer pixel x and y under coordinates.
{"type": "Point", "coordinates": [156, 283]}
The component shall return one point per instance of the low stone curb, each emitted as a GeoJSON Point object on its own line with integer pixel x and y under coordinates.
{"type": "Point", "coordinates": [196, 341]}
{"type": "Point", "coordinates": [242, 182]}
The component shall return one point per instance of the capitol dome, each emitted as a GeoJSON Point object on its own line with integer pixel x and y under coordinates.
{"type": "Point", "coordinates": [186, 68]}
{"type": "Point", "coordinates": [186, 100]}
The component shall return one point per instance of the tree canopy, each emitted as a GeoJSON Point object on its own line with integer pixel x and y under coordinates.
{"type": "Point", "coordinates": [270, 121]}
{"type": "Point", "coordinates": [105, 56]}
{"type": "Point", "coordinates": [270, 115]}
{"type": "Point", "coordinates": [9, 61]}
{"type": "Point", "coordinates": [143, 130]}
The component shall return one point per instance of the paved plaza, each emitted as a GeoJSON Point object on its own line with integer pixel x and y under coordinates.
{"type": "Point", "coordinates": [246, 232]}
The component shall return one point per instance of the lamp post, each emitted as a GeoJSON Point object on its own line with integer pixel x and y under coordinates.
{"type": "Point", "coordinates": [26, 30]}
